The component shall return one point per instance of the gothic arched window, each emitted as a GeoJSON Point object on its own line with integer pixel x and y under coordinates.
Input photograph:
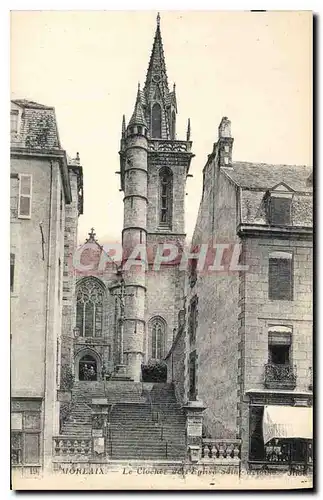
{"type": "Point", "coordinates": [158, 330]}
{"type": "Point", "coordinates": [156, 121]}
{"type": "Point", "coordinates": [166, 197]}
{"type": "Point", "coordinates": [89, 313]}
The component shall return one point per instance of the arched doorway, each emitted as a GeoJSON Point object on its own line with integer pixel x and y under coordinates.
{"type": "Point", "coordinates": [88, 369]}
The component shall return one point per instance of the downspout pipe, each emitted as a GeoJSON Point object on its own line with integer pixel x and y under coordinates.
{"type": "Point", "coordinates": [48, 283]}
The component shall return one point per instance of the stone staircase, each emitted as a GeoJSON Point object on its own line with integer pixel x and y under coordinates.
{"type": "Point", "coordinates": [146, 423]}
{"type": "Point", "coordinates": [79, 423]}
{"type": "Point", "coordinates": [147, 432]}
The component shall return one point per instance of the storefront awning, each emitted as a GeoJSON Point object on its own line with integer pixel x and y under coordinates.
{"type": "Point", "coordinates": [287, 422]}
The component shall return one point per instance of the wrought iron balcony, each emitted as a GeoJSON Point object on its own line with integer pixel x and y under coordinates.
{"type": "Point", "coordinates": [280, 376]}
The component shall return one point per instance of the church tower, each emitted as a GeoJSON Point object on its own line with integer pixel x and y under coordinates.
{"type": "Point", "coordinates": [154, 168]}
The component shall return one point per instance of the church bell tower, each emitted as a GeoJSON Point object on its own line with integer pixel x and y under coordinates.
{"type": "Point", "coordinates": [154, 166]}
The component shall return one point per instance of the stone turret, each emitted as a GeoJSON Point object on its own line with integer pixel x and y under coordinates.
{"type": "Point", "coordinates": [134, 173]}
{"type": "Point", "coordinates": [154, 161]}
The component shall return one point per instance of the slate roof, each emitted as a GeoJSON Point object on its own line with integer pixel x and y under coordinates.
{"type": "Point", "coordinates": [138, 117]}
{"type": "Point", "coordinates": [37, 128]}
{"type": "Point", "coordinates": [255, 179]}
{"type": "Point", "coordinates": [30, 104]}
{"type": "Point", "coordinates": [264, 176]}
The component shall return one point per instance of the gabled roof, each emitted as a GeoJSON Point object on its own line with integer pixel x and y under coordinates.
{"type": "Point", "coordinates": [264, 176]}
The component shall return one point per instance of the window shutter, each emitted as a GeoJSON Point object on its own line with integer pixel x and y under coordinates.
{"type": "Point", "coordinates": [279, 338]}
{"type": "Point", "coordinates": [280, 279]}
{"type": "Point", "coordinates": [25, 192]}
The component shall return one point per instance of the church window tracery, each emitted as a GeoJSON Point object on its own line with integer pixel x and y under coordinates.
{"type": "Point", "coordinates": [89, 311]}
{"type": "Point", "coordinates": [166, 191]}
{"type": "Point", "coordinates": [157, 338]}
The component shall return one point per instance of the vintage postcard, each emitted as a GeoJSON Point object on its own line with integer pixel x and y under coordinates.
{"type": "Point", "coordinates": [161, 250]}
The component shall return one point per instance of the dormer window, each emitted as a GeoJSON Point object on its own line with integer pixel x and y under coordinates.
{"type": "Point", "coordinates": [279, 205]}
{"type": "Point", "coordinates": [280, 211]}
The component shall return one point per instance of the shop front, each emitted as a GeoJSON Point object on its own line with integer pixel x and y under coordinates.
{"type": "Point", "coordinates": [280, 438]}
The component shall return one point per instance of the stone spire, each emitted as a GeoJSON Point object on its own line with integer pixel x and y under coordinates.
{"type": "Point", "coordinates": [156, 79]}
{"type": "Point", "coordinates": [138, 116]}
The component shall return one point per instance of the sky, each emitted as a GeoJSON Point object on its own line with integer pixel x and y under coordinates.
{"type": "Point", "coordinates": [254, 68]}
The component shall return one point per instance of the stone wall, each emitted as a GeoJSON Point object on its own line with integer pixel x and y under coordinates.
{"type": "Point", "coordinates": [163, 297]}
{"type": "Point", "coordinates": [29, 296]}
{"type": "Point", "coordinates": [217, 292]}
{"type": "Point", "coordinates": [70, 246]}
{"type": "Point", "coordinates": [260, 313]}
{"type": "Point", "coordinates": [176, 362]}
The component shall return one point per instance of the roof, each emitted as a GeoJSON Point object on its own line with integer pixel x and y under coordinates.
{"type": "Point", "coordinates": [37, 126]}
{"type": "Point", "coordinates": [264, 176]}
{"type": "Point", "coordinates": [138, 117]}
{"type": "Point", "coordinates": [30, 104]}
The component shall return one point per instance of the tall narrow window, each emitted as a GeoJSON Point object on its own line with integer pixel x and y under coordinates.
{"type": "Point", "coordinates": [192, 320]}
{"type": "Point", "coordinates": [279, 346]}
{"type": "Point", "coordinates": [280, 278]}
{"type": "Point", "coordinates": [61, 211]}
{"type": "Point", "coordinates": [12, 271]}
{"type": "Point", "coordinates": [166, 197]}
{"type": "Point", "coordinates": [173, 125]}
{"type": "Point", "coordinates": [156, 121]}
{"type": "Point", "coordinates": [157, 338]}
{"type": "Point", "coordinates": [279, 371]}
{"type": "Point", "coordinates": [24, 203]}
{"type": "Point", "coordinates": [14, 121]}
{"type": "Point", "coordinates": [89, 308]}
{"type": "Point", "coordinates": [192, 376]}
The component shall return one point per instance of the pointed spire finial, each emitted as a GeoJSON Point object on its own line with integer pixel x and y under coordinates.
{"type": "Point", "coordinates": [188, 133]}
{"type": "Point", "coordinates": [158, 20]}
{"type": "Point", "coordinates": [123, 125]}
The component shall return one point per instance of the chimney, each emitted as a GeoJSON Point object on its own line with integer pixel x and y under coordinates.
{"type": "Point", "coordinates": [224, 144]}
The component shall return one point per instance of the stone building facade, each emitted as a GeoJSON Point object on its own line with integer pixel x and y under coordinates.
{"type": "Point", "coordinates": [41, 195]}
{"type": "Point", "coordinates": [248, 327]}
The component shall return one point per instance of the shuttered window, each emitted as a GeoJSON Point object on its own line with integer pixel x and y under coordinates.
{"type": "Point", "coordinates": [280, 279]}
{"type": "Point", "coordinates": [25, 191]}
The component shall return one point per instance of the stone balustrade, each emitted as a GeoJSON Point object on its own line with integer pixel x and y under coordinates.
{"type": "Point", "coordinates": [221, 450]}
{"type": "Point", "coordinates": [64, 446]}
{"type": "Point", "coordinates": [169, 146]}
